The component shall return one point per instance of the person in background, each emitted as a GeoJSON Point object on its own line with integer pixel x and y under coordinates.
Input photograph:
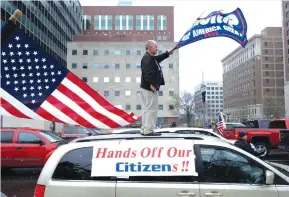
{"type": "Point", "coordinates": [151, 80]}
{"type": "Point", "coordinates": [243, 144]}
{"type": "Point", "coordinates": [174, 124]}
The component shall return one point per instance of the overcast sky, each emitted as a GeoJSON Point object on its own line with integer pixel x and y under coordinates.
{"type": "Point", "coordinates": [205, 55]}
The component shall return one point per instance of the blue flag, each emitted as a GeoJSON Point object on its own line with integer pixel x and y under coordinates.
{"type": "Point", "coordinates": [232, 25]}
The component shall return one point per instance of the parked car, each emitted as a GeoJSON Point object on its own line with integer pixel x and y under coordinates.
{"type": "Point", "coordinates": [221, 170]}
{"type": "Point", "coordinates": [26, 147]}
{"type": "Point", "coordinates": [72, 132]}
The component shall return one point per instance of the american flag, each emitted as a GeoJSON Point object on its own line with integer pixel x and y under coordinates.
{"type": "Point", "coordinates": [221, 124]}
{"type": "Point", "coordinates": [35, 86]}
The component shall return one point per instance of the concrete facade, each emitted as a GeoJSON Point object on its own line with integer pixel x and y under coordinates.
{"type": "Point", "coordinates": [253, 78]}
{"type": "Point", "coordinates": [214, 101]}
{"type": "Point", "coordinates": [113, 70]}
{"type": "Point", "coordinates": [285, 26]}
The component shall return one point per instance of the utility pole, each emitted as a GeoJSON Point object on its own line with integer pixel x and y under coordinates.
{"type": "Point", "coordinates": [203, 90]}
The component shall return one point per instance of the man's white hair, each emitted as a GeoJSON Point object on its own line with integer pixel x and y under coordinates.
{"type": "Point", "coordinates": [150, 43]}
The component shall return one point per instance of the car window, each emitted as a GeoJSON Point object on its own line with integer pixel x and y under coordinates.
{"type": "Point", "coordinates": [82, 130]}
{"type": "Point", "coordinates": [205, 133]}
{"type": "Point", "coordinates": [68, 130]}
{"type": "Point", "coordinates": [76, 165]}
{"type": "Point", "coordinates": [50, 136]}
{"type": "Point", "coordinates": [7, 137]}
{"type": "Point", "coordinates": [227, 166]}
{"type": "Point", "coordinates": [27, 138]}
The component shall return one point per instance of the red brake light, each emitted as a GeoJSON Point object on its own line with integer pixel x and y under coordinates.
{"type": "Point", "coordinates": [39, 191]}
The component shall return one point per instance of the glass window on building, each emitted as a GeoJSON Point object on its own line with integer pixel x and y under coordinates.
{"type": "Point", "coordinates": [74, 52]}
{"type": "Point", "coordinates": [117, 66]}
{"type": "Point", "coordinates": [102, 22]}
{"type": "Point", "coordinates": [117, 22]}
{"type": "Point", "coordinates": [162, 22]}
{"type": "Point", "coordinates": [95, 66]}
{"type": "Point", "coordinates": [84, 79]}
{"type": "Point", "coordinates": [159, 38]}
{"type": "Point", "coordinates": [171, 65]}
{"type": "Point", "coordinates": [151, 22]}
{"type": "Point", "coordinates": [171, 107]}
{"type": "Point", "coordinates": [127, 66]}
{"type": "Point", "coordinates": [161, 93]}
{"type": "Point", "coordinates": [138, 22]}
{"type": "Point", "coordinates": [127, 107]}
{"type": "Point", "coordinates": [123, 22]}
{"type": "Point", "coordinates": [95, 52]}
{"type": "Point", "coordinates": [95, 79]}
{"type": "Point", "coordinates": [84, 66]}
{"type": "Point", "coordinates": [117, 93]}
{"type": "Point", "coordinates": [130, 22]}
{"type": "Point", "coordinates": [138, 107]}
{"type": "Point", "coordinates": [117, 52]}
{"type": "Point", "coordinates": [74, 66]}
{"type": "Point", "coordinates": [85, 52]}
{"type": "Point", "coordinates": [138, 52]}
{"type": "Point", "coordinates": [127, 52]}
{"type": "Point", "coordinates": [106, 66]}
{"type": "Point", "coordinates": [106, 52]}
{"type": "Point", "coordinates": [137, 65]}
{"type": "Point", "coordinates": [161, 107]}
{"type": "Point", "coordinates": [106, 93]}
{"type": "Point", "coordinates": [171, 93]}
{"type": "Point", "coordinates": [165, 37]}
{"type": "Point", "coordinates": [145, 23]}
{"type": "Point", "coordinates": [86, 22]}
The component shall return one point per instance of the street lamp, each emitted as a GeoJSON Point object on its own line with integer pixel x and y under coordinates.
{"type": "Point", "coordinates": [203, 90]}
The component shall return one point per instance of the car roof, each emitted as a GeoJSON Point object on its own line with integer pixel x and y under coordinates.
{"type": "Point", "coordinates": [20, 128]}
{"type": "Point", "coordinates": [138, 136]}
{"type": "Point", "coordinates": [182, 128]}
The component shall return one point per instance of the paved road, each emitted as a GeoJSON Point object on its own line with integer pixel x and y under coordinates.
{"type": "Point", "coordinates": [21, 182]}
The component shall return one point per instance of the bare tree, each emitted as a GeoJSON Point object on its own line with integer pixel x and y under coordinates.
{"type": "Point", "coordinates": [185, 105]}
{"type": "Point", "coordinates": [271, 109]}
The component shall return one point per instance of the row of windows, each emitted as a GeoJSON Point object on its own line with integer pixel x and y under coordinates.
{"type": "Point", "coordinates": [117, 79]}
{"type": "Point", "coordinates": [116, 52]}
{"type": "Point", "coordinates": [125, 22]}
{"type": "Point", "coordinates": [160, 107]}
{"type": "Point", "coordinates": [116, 66]}
{"type": "Point", "coordinates": [214, 88]}
{"type": "Point", "coordinates": [128, 93]}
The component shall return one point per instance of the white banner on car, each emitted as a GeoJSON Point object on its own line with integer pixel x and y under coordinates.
{"type": "Point", "coordinates": [144, 158]}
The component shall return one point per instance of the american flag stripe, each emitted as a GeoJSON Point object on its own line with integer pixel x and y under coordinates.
{"type": "Point", "coordinates": [12, 110]}
{"type": "Point", "coordinates": [43, 113]}
{"type": "Point", "coordinates": [96, 101]}
{"type": "Point", "coordinates": [15, 105]}
{"type": "Point", "coordinates": [55, 112]}
{"type": "Point", "coordinates": [4, 112]}
{"type": "Point", "coordinates": [85, 106]}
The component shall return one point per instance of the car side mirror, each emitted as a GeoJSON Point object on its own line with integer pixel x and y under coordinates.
{"type": "Point", "coordinates": [269, 177]}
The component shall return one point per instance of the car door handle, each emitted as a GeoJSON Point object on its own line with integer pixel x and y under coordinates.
{"type": "Point", "coordinates": [19, 148]}
{"type": "Point", "coordinates": [213, 194]}
{"type": "Point", "coordinates": [184, 193]}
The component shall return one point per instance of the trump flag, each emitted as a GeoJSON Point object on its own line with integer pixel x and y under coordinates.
{"type": "Point", "coordinates": [35, 86]}
{"type": "Point", "coordinates": [217, 24]}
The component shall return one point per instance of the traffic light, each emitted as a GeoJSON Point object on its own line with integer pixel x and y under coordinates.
{"type": "Point", "coordinates": [204, 96]}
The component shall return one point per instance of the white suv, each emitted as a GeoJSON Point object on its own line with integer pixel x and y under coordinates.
{"type": "Point", "coordinates": [110, 166]}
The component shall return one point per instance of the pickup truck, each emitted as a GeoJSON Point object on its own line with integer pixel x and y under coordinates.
{"type": "Point", "coordinates": [264, 139]}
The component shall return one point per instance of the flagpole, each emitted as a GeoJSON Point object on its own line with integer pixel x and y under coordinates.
{"type": "Point", "coordinates": [192, 25]}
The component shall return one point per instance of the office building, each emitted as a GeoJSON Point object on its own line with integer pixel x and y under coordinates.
{"type": "Point", "coordinates": [285, 25]}
{"type": "Point", "coordinates": [214, 101]}
{"type": "Point", "coordinates": [51, 24]}
{"type": "Point", "coordinates": [253, 78]}
{"type": "Point", "coordinates": [108, 54]}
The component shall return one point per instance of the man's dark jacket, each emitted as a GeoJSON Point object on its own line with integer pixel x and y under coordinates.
{"type": "Point", "coordinates": [243, 144]}
{"type": "Point", "coordinates": [151, 71]}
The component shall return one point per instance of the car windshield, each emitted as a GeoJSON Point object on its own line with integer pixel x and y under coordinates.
{"type": "Point", "coordinates": [50, 136]}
